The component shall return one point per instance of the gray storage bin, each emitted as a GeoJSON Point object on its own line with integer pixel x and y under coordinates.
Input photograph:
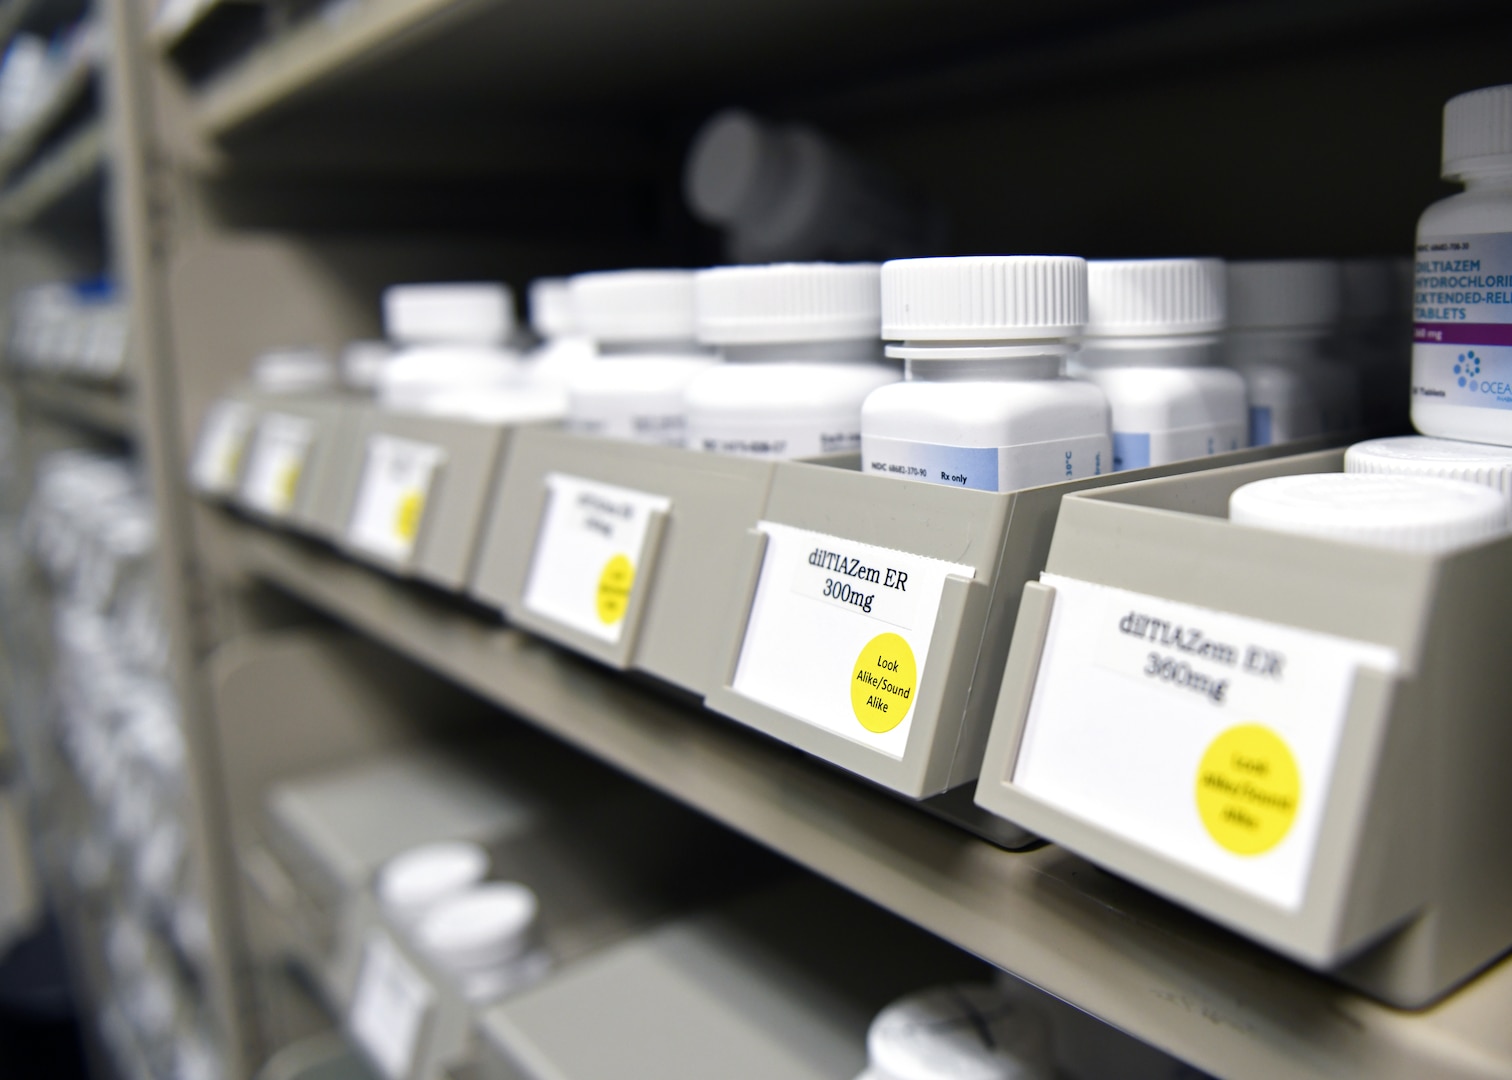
{"type": "Point", "coordinates": [1405, 893]}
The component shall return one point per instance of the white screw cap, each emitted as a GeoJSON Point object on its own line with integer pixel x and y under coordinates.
{"type": "Point", "coordinates": [1477, 131]}
{"type": "Point", "coordinates": [362, 363]}
{"type": "Point", "coordinates": [962, 1032]}
{"type": "Point", "coordinates": [1418, 455]}
{"type": "Point", "coordinates": [1284, 294]}
{"type": "Point", "coordinates": [481, 927]}
{"type": "Point", "coordinates": [411, 882]}
{"type": "Point", "coordinates": [1155, 297]}
{"type": "Point", "coordinates": [788, 303]}
{"type": "Point", "coordinates": [468, 313]}
{"type": "Point", "coordinates": [626, 307]}
{"type": "Point", "coordinates": [984, 298]}
{"type": "Point", "coordinates": [293, 371]}
{"type": "Point", "coordinates": [735, 168]}
{"type": "Point", "coordinates": [551, 313]}
{"type": "Point", "coordinates": [1410, 513]}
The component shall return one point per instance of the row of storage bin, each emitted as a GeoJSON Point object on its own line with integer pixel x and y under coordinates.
{"type": "Point", "coordinates": [1249, 722]}
{"type": "Point", "coordinates": [660, 946]}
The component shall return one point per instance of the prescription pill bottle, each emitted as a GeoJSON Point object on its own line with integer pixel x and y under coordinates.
{"type": "Point", "coordinates": [985, 402]}
{"type": "Point", "coordinates": [1462, 287]}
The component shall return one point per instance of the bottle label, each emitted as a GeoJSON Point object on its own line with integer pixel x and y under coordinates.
{"type": "Point", "coordinates": [1140, 449]}
{"type": "Point", "coordinates": [1131, 450]}
{"type": "Point", "coordinates": [1462, 321]}
{"type": "Point", "coordinates": [836, 435]}
{"type": "Point", "coordinates": [659, 429]}
{"type": "Point", "coordinates": [988, 468]}
{"type": "Point", "coordinates": [1260, 433]}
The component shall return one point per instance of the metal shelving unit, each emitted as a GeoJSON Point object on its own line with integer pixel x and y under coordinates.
{"type": "Point", "coordinates": [1146, 966]}
{"type": "Point", "coordinates": [265, 169]}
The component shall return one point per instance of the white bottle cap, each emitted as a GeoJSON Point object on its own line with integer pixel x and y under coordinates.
{"type": "Point", "coordinates": [481, 927]}
{"type": "Point", "coordinates": [1155, 297]}
{"type": "Point", "coordinates": [362, 363]}
{"type": "Point", "coordinates": [1418, 455]}
{"type": "Point", "coordinates": [471, 313]}
{"type": "Point", "coordinates": [635, 306]}
{"type": "Point", "coordinates": [293, 371]}
{"type": "Point", "coordinates": [1284, 294]}
{"type": "Point", "coordinates": [789, 303]}
{"type": "Point", "coordinates": [1411, 513]}
{"type": "Point", "coordinates": [984, 298]}
{"type": "Point", "coordinates": [1477, 131]}
{"type": "Point", "coordinates": [964, 1032]}
{"type": "Point", "coordinates": [411, 882]}
{"type": "Point", "coordinates": [734, 168]}
{"type": "Point", "coordinates": [551, 314]}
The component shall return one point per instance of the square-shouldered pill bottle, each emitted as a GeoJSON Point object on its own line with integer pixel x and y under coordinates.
{"type": "Point", "coordinates": [985, 402]}
{"type": "Point", "coordinates": [1282, 337]}
{"type": "Point", "coordinates": [1462, 289]}
{"type": "Point", "coordinates": [802, 350]}
{"type": "Point", "coordinates": [643, 324]}
{"type": "Point", "coordinates": [452, 359]}
{"type": "Point", "coordinates": [1152, 345]}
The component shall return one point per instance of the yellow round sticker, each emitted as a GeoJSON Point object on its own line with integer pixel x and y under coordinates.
{"type": "Point", "coordinates": [407, 515]}
{"type": "Point", "coordinates": [883, 683]}
{"type": "Point", "coordinates": [614, 589]}
{"type": "Point", "coordinates": [1248, 789]}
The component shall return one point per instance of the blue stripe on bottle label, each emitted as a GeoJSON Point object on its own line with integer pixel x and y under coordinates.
{"type": "Point", "coordinates": [1131, 450]}
{"type": "Point", "coordinates": [1260, 425]}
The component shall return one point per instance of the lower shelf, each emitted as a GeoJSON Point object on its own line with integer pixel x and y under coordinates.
{"type": "Point", "coordinates": [77, 160]}
{"type": "Point", "coordinates": [102, 407]}
{"type": "Point", "coordinates": [1137, 962]}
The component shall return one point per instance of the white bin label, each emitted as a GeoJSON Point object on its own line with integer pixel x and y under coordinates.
{"type": "Point", "coordinates": [217, 458]}
{"type": "Point", "coordinates": [389, 1006]}
{"type": "Point", "coordinates": [276, 462]}
{"type": "Point", "coordinates": [839, 632]}
{"type": "Point", "coordinates": [1207, 737]}
{"type": "Point", "coordinates": [396, 480]}
{"type": "Point", "coordinates": [588, 554]}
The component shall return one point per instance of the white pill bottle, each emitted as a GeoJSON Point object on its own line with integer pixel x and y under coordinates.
{"type": "Point", "coordinates": [1462, 282]}
{"type": "Point", "coordinates": [1283, 334]}
{"type": "Point", "coordinates": [642, 322]}
{"type": "Point", "coordinates": [564, 349]}
{"type": "Point", "coordinates": [1153, 346]}
{"type": "Point", "coordinates": [985, 402]}
{"type": "Point", "coordinates": [802, 351]}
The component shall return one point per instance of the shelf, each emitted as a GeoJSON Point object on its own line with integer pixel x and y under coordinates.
{"type": "Point", "coordinates": [380, 57]}
{"type": "Point", "coordinates": [1144, 965]}
{"type": "Point", "coordinates": [77, 160]}
{"type": "Point", "coordinates": [167, 34]}
{"type": "Point", "coordinates": [18, 15]}
{"type": "Point", "coordinates": [540, 55]}
{"type": "Point", "coordinates": [99, 407]}
{"type": "Point", "coordinates": [16, 150]}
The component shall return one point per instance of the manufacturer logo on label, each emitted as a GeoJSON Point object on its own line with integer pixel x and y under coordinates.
{"type": "Point", "coordinates": [1468, 366]}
